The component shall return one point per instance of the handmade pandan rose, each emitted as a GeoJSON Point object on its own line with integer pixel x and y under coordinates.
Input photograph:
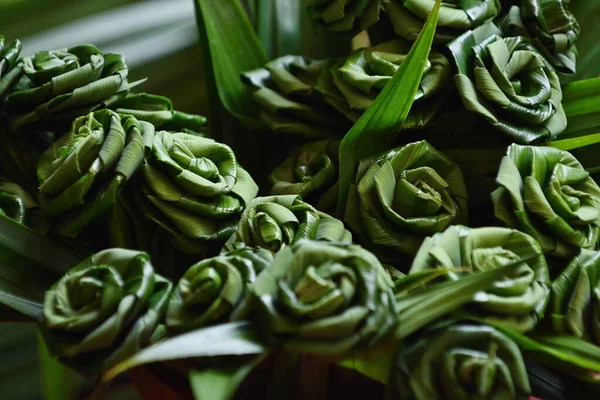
{"type": "Point", "coordinates": [455, 17]}
{"type": "Point", "coordinates": [546, 193]}
{"type": "Point", "coordinates": [403, 195]}
{"type": "Point", "coordinates": [82, 174]}
{"type": "Point", "coordinates": [460, 361]}
{"type": "Point", "coordinates": [517, 300]}
{"type": "Point", "coordinates": [364, 74]}
{"type": "Point", "coordinates": [104, 309]}
{"type": "Point", "coordinates": [324, 299]}
{"type": "Point", "coordinates": [345, 15]}
{"type": "Point", "coordinates": [575, 303]}
{"type": "Point", "coordinates": [274, 222]}
{"type": "Point", "coordinates": [216, 289]}
{"type": "Point", "coordinates": [509, 83]}
{"type": "Point", "coordinates": [193, 188]}
{"type": "Point", "coordinates": [286, 89]}
{"type": "Point", "coordinates": [66, 83]}
{"type": "Point", "coordinates": [310, 172]}
{"type": "Point", "coordinates": [551, 27]}
{"type": "Point", "coordinates": [9, 54]}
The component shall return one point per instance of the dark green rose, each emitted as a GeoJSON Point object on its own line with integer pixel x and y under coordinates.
{"type": "Point", "coordinates": [403, 195]}
{"type": "Point", "coordinates": [462, 361]}
{"type": "Point", "coordinates": [104, 309]}
{"type": "Point", "coordinates": [9, 54]}
{"type": "Point", "coordinates": [158, 110]}
{"type": "Point", "coordinates": [517, 301]}
{"type": "Point", "coordinates": [310, 172]}
{"type": "Point", "coordinates": [66, 83]}
{"type": "Point", "coordinates": [344, 15]}
{"type": "Point", "coordinates": [575, 303]}
{"type": "Point", "coordinates": [551, 27]}
{"type": "Point", "coordinates": [324, 299]}
{"type": "Point", "coordinates": [274, 222]}
{"type": "Point", "coordinates": [509, 83]}
{"type": "Point", "coordinates": [82, 174]}
{"type": "Point", "coordinates": [286, 91]}
{"type": "Point", "coordinates": [216, 289]}
{"type": "Point", "coordinates": [193, 188]}
{"type": "Point", "coordinates": [455, 17]}
{"type": "Point", "coordinates": [364, 74]}
{"type": "Point", "coordinates": [546, 193]}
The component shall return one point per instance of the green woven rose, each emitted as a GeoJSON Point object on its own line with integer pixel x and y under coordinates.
{"type": "Point", "coordinates": [158, 110]}
{"type": "Point", "coordinates": [344, 15]}
{"type": "Point", "coordinates": [575, 302]}
{"type": "Point", "coordinates": [82, 174]}
{"type": "Point", "coordinates": [403, 195]}
{"type": "Point", "coordinates": [324, 299]}
{"type": "Point", "coordinates": [456, 17]}
{"type": "Point", "coordinates": [286, 90]}
{"type": "Point", "coordinates": [546, 193]}
{"type": "Point", "coordinates": [310, 172]}
{"type": "Point", "coordinates": [15, 203]}
{"type": "Point", "coordinates": [216, 289]}
{"type": "Point", "coordinates": [9, 54]}
{"type": "Point", "coordinates": [551, 27]}
{"type": "Point", "coordinates": [274, 222]}
{"type": "Point", "coordinates": [104, 309]}
{"type": "Point", "coordinates": [194, 189]}
{"type": "Point", "coordinates": [66, 83]}
{"type": "Point", "coordinates": [460, 362]}
{"type": "Point", "coordinates": [508, 83]}
{"type": "Point", "coordinates": [517, 301]}
{"type": "Point", "coordinates": [364, 74]}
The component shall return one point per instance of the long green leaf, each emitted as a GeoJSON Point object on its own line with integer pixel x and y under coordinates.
{"type": "Point", "coordinates": [378, 127]}
{"type": "Point", "coordinates": [234, 48]}
{"type": "Point", "coordinates": [221, 382]}
{"type": "Point", "coordinates": [235, 338]}
{"type": "Point", "coordinates": [29, 265]}
{"type": "Point", "coordinates": [58, 382]}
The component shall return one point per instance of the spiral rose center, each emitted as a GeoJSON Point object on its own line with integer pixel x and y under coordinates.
{"type": "Point", "coordinates": [485, 259]}
{"type": "Point", "coordinates": [202, 289]}
{"type": "Point", "coordinates": [87, 294]}
{"type": "Point", "coordinates": [320, 291]}
{"type": "Point", "coordinates": [204, 167]}
{"type": "Point", "coordinates": [418, 193]}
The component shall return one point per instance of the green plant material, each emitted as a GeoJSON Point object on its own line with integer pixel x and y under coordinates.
{"type": "Point", "coordinates": [403, 195]}
{"type": "Point", "coordinates": [460, 361]}
{"type": "Point", "coordinates": [193, 188]}
{"type": "Point", "coordinates": [220, 382]}
{"type": "Point", "coordinates": [82, 174]}
{"type": "Point", "coordinates": [66, 83]}
{"type": "Point", "coordinates": [378, 128]}
{"type": "Point", "coordinates": [231, 339]}
{"type": "Point", "coordinates": [16, 203]}
{"type": "Point", "coordinates": [551, 27]}
{"type": "Point", "coordinates": [508, 83]}
{"type": "Point", "coordinates": [104, 309]}
{"type": "Point", "coordinates": [231, 52]}
{"type": "Point", "coordinates": [575, 304]}
{"type": "Point", "coordinates": [324, 299]}
{"type": "Point", "coordinates": [216, 289]}
{"type": "Point", "coordinates": [158, 110]}
{"type": "Point", "coordinates": [588, 65]}
{"type": "Point", "coordinates": [290, 103]}
{"type": "Point", "coordinates": [57, 381]}
{"type": "Point", "coordinates": [362, 76]}
{"type": "Point", "coordinates": [25, 274]}
{"type": "Point", "coordinates": [581, 102]}
{"type": "Point", "coordinates": [408, 16]}
{"type": "Point", "coordinates": [546, 193]}
{"type": "Point", "coordinates": [312, 173]}
{"type": "Point", "coordinates": [9, 53]}
{"type": "Point", "coordinates": [344, 16]}
{"type": "Point", "coordinates": [564, 353]}
{"type": "Point", "coordinates": [517, 300]}
{"type": "Point", "coordinates": [274, 222]}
